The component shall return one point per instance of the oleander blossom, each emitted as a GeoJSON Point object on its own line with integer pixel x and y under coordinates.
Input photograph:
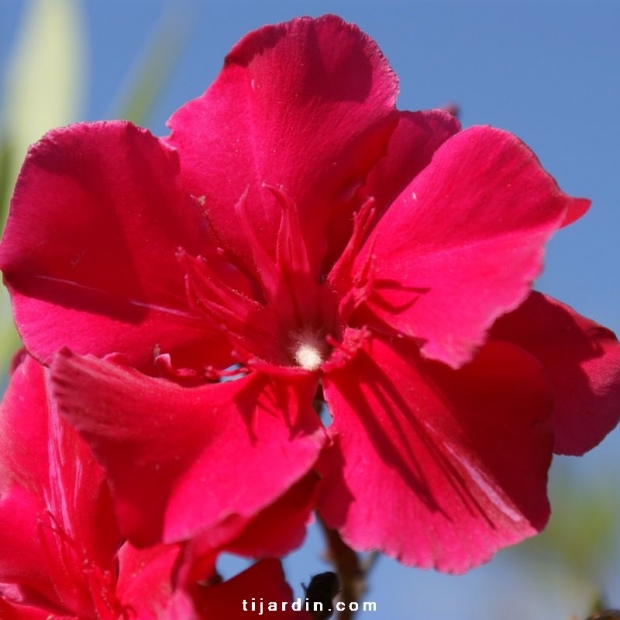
{"type": "Point", "coordinates": [61, 553]}
{"type": "Point", "coordinates": [296, 239]}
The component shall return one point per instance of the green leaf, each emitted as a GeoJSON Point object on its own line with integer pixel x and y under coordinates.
{"type": "Point", "coordinates": [6, 180]}
{"type": "Point", "coordinates": [153, 69]}
{"type": "Point", "coordinates": [46, 74]}
{"type": "Point", "coordinates": [44, 89]}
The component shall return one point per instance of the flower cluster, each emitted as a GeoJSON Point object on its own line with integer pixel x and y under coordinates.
{"type": "Point", "coordinates": [302, 299]}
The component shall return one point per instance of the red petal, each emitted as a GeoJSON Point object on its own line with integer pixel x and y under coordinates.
{"type": "Point", "coordinates": [436, 467]}
{"type": "Point", "coordinates": [582, 360]}
{"type": "Point", "coordinates": [306, 106]}
{"type": "Point", "coordinates": [463, 244]}
{"type": "Point", "coordinates": [274, 532]}
{"type": "Point", "coordinates": [91, 241]}
{"type": "Point", "coordinates": [144, 583]}
{"type": "Point", "coordinates": [181, 460]}
{"type": "Point", "coordinates": [23, 475]}
{"type": "Point", "coordinates": [412, 145]}
{"type": "Point", "coordinates": [20, 562]}
{"type": "Point", "coordinates": [416, 137]}
{"type": "Point", "coordinates": [10, 611]}
{"type": "Point", "coordinates": [577, 208]}
{"type": "Point", "coordinates": [281, 527]}
{"type": "Point", "coordinates": [262, 582]}
{"type": "Point", "coordinates": [56, 515]}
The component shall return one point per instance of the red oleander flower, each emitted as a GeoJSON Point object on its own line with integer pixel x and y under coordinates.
{"type": "Point", "coordinates": [61, 553]}
{"type": "Point", "coordinates": [296, 238]}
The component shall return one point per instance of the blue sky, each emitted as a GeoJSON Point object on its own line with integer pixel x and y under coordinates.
{"type": "Point", "coordinates": [545, 70]}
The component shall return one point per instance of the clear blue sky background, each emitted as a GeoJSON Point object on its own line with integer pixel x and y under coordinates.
{"type": "Point", "coordinates": [546, 70]}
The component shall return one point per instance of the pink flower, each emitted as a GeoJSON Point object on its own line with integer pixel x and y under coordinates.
{"type": "Point", "coordinates": [61, 554]}
{"type": "Point", "coordinates": [299, 231]}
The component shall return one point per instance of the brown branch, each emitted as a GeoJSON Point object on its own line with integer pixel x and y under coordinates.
{"type": "Point", "coordinates": [351, 571]}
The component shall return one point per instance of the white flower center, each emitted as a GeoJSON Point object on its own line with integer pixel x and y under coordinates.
{"type": "Point", "coordinates": [308, 349]}
{"type": "Point", "coordinates": [308, 357]}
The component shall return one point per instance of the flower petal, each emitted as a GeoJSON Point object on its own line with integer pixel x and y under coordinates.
{"type": "Point", "coordinates": [306, 107]}
{"type": "Point", "coordinates": [20, 562]}
{"type": "Point", "coordinates": [281, 527]}
{"type": "Point", "coordinates": [463, 243]}
{"type": "Point", "coordinates": [233, 599]}
{"type": "Point", "coordinates": [145, 579]}
{"type": "Point", "coordinates": [436, 467]}
{"type": "Point", "coordinates": [582, 360]}
{"type": "Point", "coordinates": [411, 148]}
{"type": "Point", "coordinates": [412, 145]}
{"type": "Point", "coordinates": [13, 611]}
{"type": "Point", "coordinates": [23, 428]}
{"type": "Point", "coordinates": [206, 453]}
{"type": "Point", "coordinates": [56, 516]}
{"type": "Point", "coordinates": [91, 242]}
{"type": "Point", "coordinates": [274, 532]}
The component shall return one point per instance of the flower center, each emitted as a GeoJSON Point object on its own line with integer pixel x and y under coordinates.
{"type": "Point", "coordinates": [308, 357]}
{"type": "Point", "coordinates": [309, 349]}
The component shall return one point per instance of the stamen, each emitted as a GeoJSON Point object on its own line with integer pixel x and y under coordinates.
{"type": "Point", "coordinates": [344, 352]}
{"type": "Point", "coordinates": [292, 260]}
{"type": "Point", "coordinates": [309, 349]}
{"type": "Point", "coordinates": [340, 277]}
{"type": "Point", "coordinates": [164, 362]}
{"type": "Point", "coordinates": [308, 357]}
{"type": "Point", "coordinates": [265, 266]}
